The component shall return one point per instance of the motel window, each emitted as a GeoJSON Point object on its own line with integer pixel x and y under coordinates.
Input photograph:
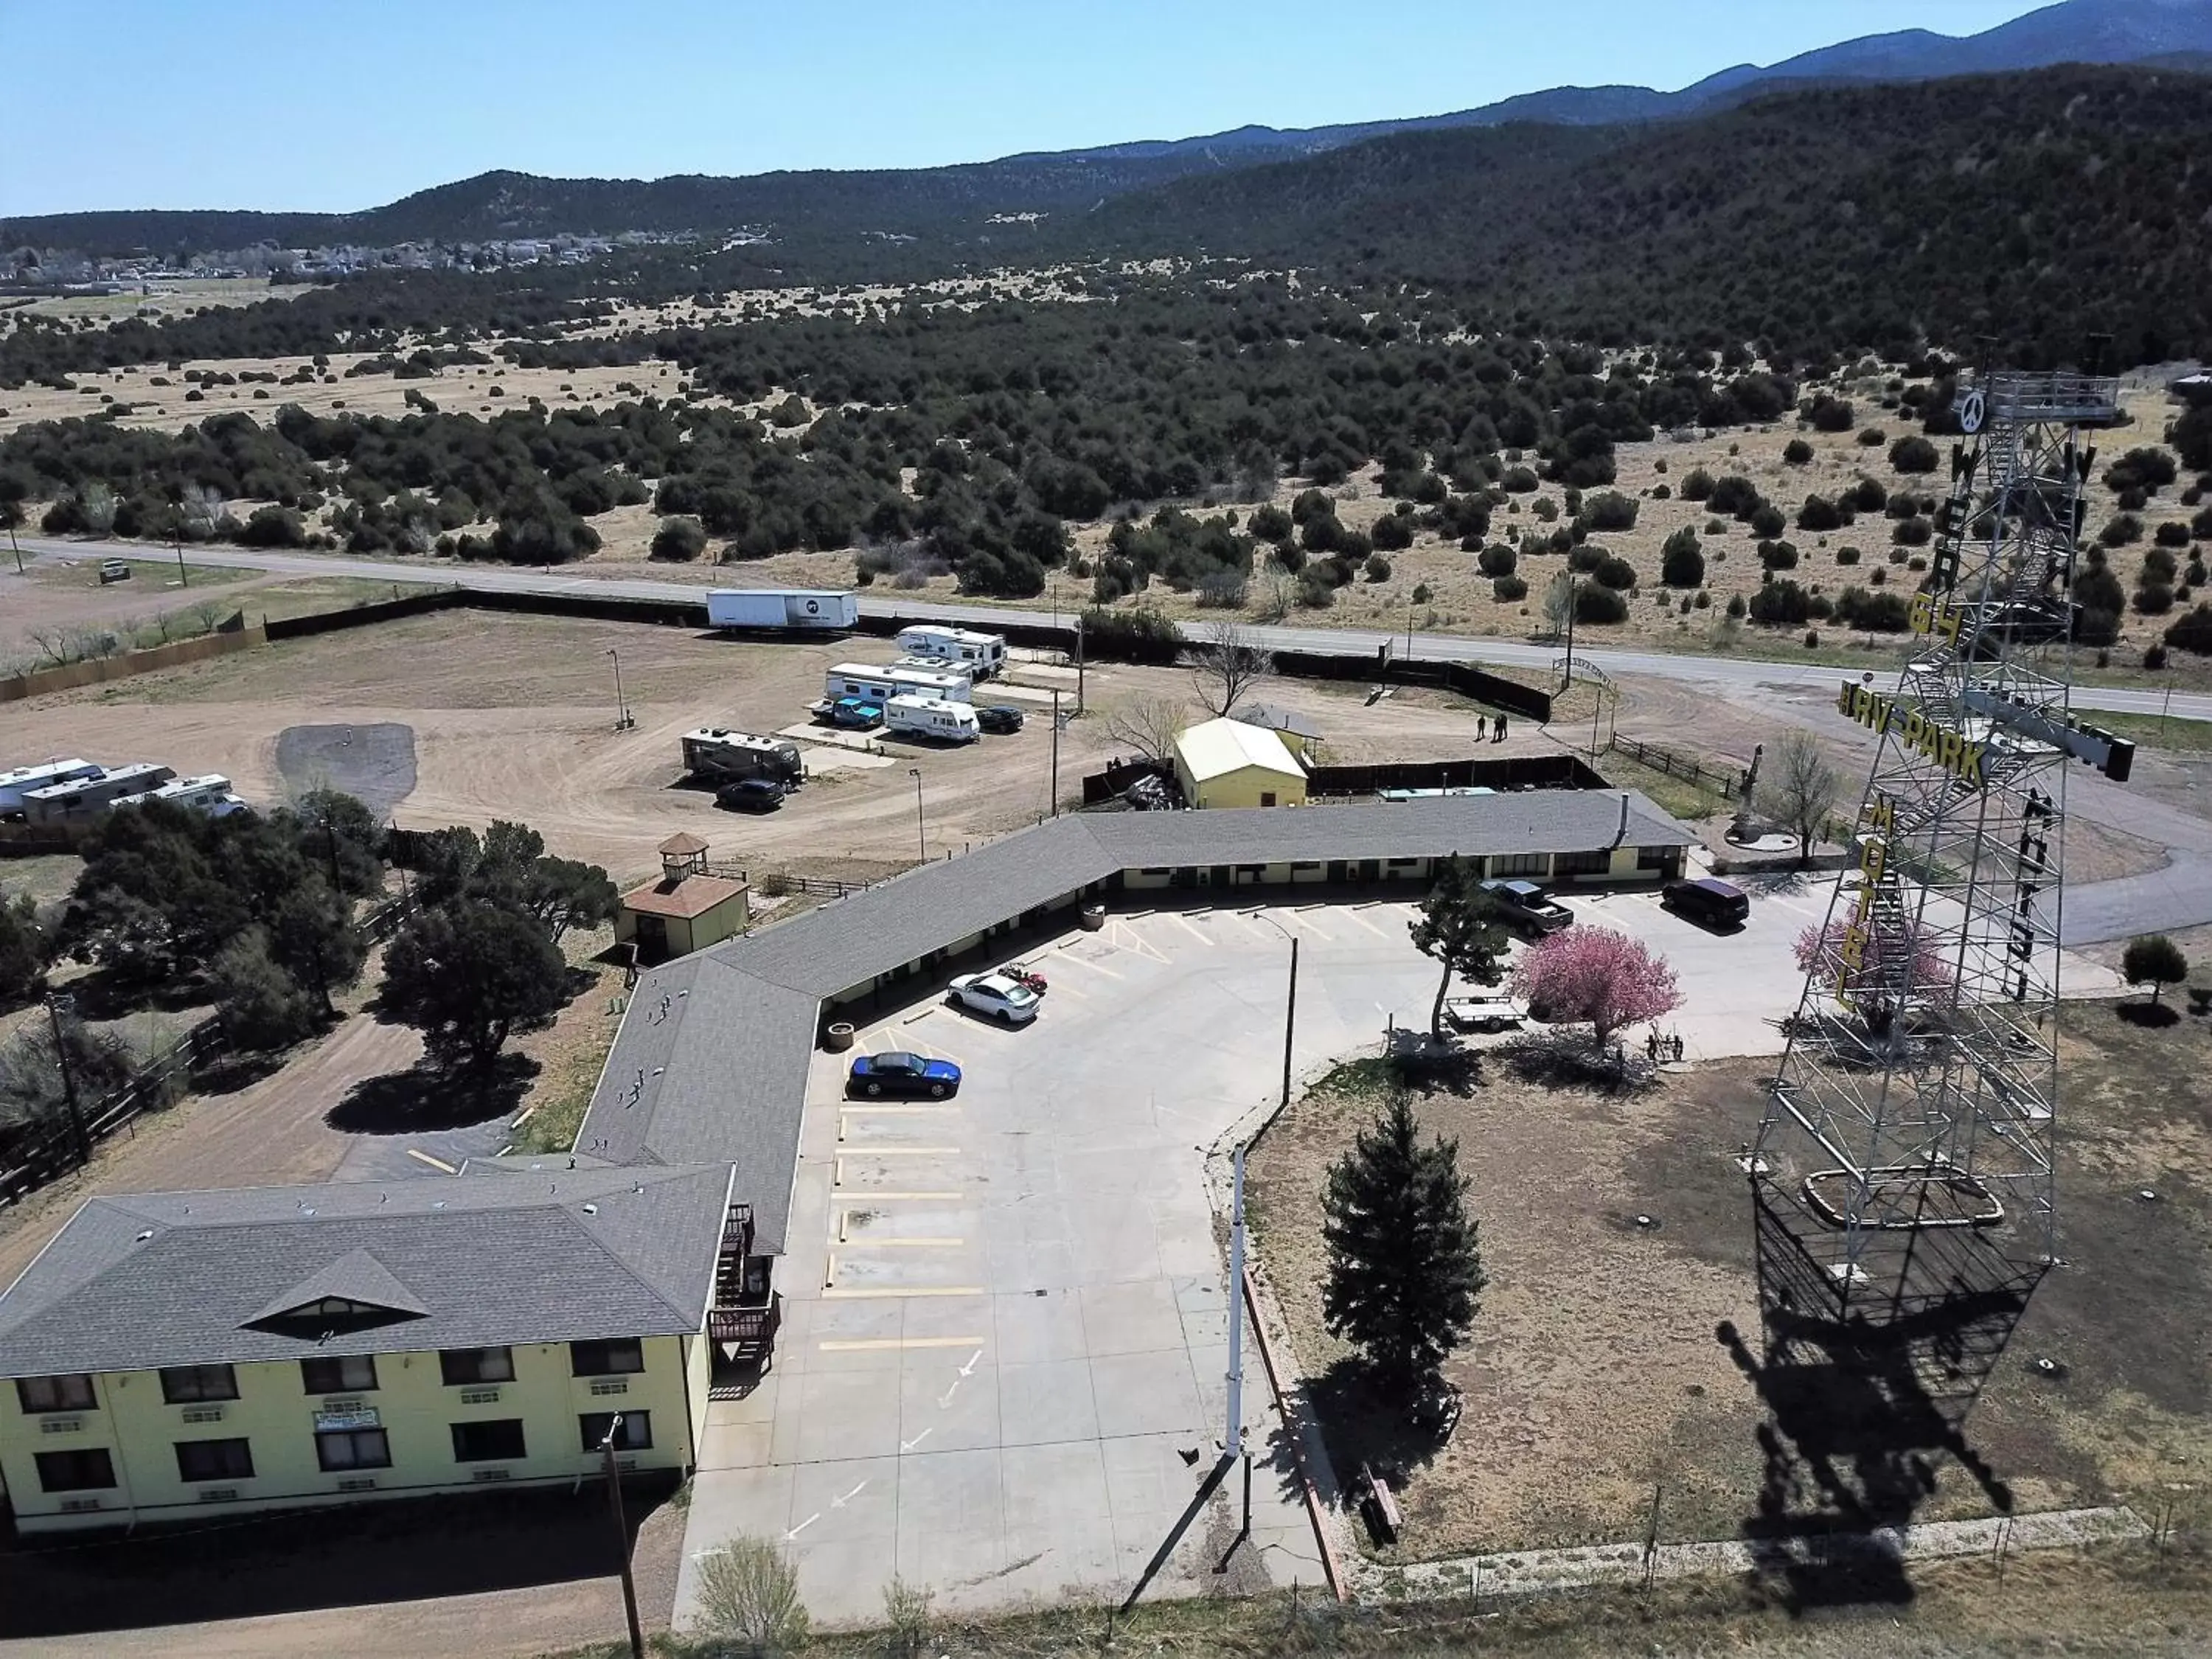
{"type": "Point", "coordinates": [623, 1356]}
{"type": "Point", "coordinates": [1266, 797]}
{"type": "Point", "coordinates": [1653, 858]}
{"type": "Point", "coordinates": [183, 1384]}
{"type": "Point", "coordinates": [463, 1365]}
{"type": "Point", "coordinates": [88, 1470]}
{"type": "Point", "coordinates": [498, 1441]}
{"type": "Point", "coordinates": [1583, 864]}
{"type": "Point", "coordinates": [214, 1460]}
{"type": "Point", "coordinates": [1520, 864]}
{"type": "Point", "coordinates": [352, 1448]}
{"type": "Point", "coordinates": [71, 1392]}
{"type": "Point", "coordinates": [635, 1435]}
{"type": "Point", "coordinates": [352, 1374]}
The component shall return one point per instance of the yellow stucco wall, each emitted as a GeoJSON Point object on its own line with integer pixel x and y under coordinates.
{"type": "Point", "coordinates": [1242, 787]}
{"type": "Point", "coordinates": [413, 1406]}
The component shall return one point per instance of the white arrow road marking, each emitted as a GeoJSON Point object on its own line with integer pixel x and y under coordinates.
{"type": "Point", "coordinates": [968, 1370]}
{"type": "Point", "coordinates": [803, 1525]}
{"type": "Point", "coordinates": [945, 1399]}
{"type": "Point", "coordinates": [909, 1445]}
{"type": "Point", "coordinates": [840, 1503]}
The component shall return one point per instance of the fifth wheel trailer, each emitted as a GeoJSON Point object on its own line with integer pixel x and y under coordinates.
{"type": "Point", "coordinates": [719, 752]}
{"type": "Point", "coordinates": [19, 782]}
{"type": "Point", "coordinates": [879, 685]}
{"type": "Point", "coordinates": [801, 610]}
{"type": "Point", "coordinates": [982, 654]}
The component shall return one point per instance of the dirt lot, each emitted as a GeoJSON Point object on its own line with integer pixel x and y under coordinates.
{"type": "Point", "coordinates": [512, 718]}
{"type": "Point", "coordinates": [1597, 1368]}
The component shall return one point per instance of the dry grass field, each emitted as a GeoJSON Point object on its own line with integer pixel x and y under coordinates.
{"type": "Point", "coordinates": [1602, 1363]}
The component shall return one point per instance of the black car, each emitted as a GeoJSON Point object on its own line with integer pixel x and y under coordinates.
{"type": "Point", "coordinates": [750, 795]}
{"type": "Point", "coordinates": [1000, 717]}
{"type": "Point", "coordinates": [1715, 903]}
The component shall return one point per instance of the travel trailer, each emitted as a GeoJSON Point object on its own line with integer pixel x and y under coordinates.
{"type": "Point", "coordinates": [932, 717]}
{"type": "Point", "coordinates": [880, 685]}
{"type": "Point", "coordinates": [982, 654]}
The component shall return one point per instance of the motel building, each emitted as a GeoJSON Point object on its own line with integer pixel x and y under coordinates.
{"type": "Point", "coordinates": [173, 1356]}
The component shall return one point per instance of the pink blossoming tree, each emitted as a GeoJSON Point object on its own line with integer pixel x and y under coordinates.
{"type": "Point", "coordinates": [1596, 974]}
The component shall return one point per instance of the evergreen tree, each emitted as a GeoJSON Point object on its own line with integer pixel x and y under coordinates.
{"type": "Point", "coordinates": [2154, 960]}
{"type": "Point", "coordinates": [1405, 1267]}
{"type": "Point", "coordinates": [1458, 926]}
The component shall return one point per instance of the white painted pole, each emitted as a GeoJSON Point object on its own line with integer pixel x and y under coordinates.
{"type": "Point", "coordinates": [1233, 1441]}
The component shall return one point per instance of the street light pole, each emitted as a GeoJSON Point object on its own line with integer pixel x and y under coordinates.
{"type": "Point", "coordinates": [622, 1536]}
{"type": "Point", "coordinates": [920, 828]}
{"type": "Point", "coordinates": [622, 721]}
{"type": "Point", "coordinates": [55, 1004]}
{"type": "Point", "coordinates": [1055, 751]}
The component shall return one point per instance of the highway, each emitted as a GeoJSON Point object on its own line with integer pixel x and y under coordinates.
{"type": "Point", "coordinates": [1720, 672]}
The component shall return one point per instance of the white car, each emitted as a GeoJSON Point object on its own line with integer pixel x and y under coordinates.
{"type": "Point", "coordinates": [1006, 1000]}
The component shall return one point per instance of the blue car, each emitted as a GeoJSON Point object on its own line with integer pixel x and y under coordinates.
{"type": "Point", "coordinates": [897, 1073]}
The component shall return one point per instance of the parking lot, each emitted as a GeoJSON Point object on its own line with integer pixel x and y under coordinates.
{"type": "Point", "coordinates": [1002, 1367]}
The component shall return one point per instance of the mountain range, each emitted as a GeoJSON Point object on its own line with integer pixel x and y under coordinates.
{"type": "Point", "coordinates": [961, 204]}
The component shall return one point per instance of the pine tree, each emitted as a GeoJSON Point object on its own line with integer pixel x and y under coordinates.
{"type": "Point", "coordinates": [1405, 1265]}
{"type": "Point", "coordinates": [1458, 926]}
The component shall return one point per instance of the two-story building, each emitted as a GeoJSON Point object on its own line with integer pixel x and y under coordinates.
{"type": "Point", "coordinates": [171, 1354]}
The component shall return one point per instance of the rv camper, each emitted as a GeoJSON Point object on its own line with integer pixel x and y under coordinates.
{"type": "Point", "coordinates": [982, 654]}
{"type": "Point", "coordinates": [880, 685]}
{"type": "Point", "coordinates": [15, 785]}
{"type": "Point", "coordinates": [932, 717]}
{"type": "Point", "coordinates": [726, 756]}
{"type": "Point", "coordinates": [83, 799]}
{"type": "Point", "coordinates": [209, 793]}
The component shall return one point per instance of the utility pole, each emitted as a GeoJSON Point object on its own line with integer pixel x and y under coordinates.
{"type": "Point", "coordinates": [1055, 751]}
{"type": "Point", "coordinates": [55, 1004]}
{"type": "Point", "coordinates": [1078, 663]}
{"type": "Point", "coordinates": [177, 542]}
{"type": "Point", "coordinates": [622, 721]}
{"type": "Point", "coordinates": [14, 546]}
{"type": "Point", "coordinates": [1570, 679]}
{"type": "Point", "coordinates": [1289, 1019]}
{"type": "Point", "coordinates": [1232, 1438]}
{"type": "Point", "coordinates": [1595, 707]}
{"type": "Point", "coordinates": [1409, 630]}
{"type": "Point", "coordinates": [920, 828]}
{"type": "Point", "coordinates": [622, 1536]}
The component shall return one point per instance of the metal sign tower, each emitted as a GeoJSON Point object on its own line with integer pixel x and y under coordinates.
{"type": "Point", "coordinates": [1902, 1168]}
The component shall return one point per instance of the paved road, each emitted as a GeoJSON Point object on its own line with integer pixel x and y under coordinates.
{"type": "Point", "coordinates": [1718, 672]}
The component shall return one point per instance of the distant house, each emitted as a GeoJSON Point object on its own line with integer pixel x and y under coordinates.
{"type": "Point", "coordinates": [1300, 732]}
{"type": "Point", "coordinates": [1226, 762]}
{"type": "Point", "coordinates": [686, 910]}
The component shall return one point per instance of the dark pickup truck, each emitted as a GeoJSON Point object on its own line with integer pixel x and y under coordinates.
{"type": "Point", "coordinates": [1525, 904]}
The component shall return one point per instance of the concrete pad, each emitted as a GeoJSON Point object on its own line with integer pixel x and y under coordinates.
{"type": "Point", "coordinates": [946, 1406]}
{"type": "Point", "coordinates": [1045, 1401]}
{"type": "Point", "coordinates": [1138, 1316]}
{"type": "Point", "coordinates": [1036, 1326]}
{"type": "Point", "coordinates": [1145, 1393]}
{"type": "Point", "coordinates": [838, 1414]}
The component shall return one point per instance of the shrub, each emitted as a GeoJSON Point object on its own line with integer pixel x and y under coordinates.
{"type": "Point", "coordinates": [1735, 605]}
{"type": "Point", "coordinates": [2154, 658]}
{"type": "Point", "coordinates": [2144, 470]}
{"type": "Point", "coordinates": [1615, 572]}
{"type": "Point", "coordinates": [1782, 604]}
{"type": "Point", "coordinates": [2172, 535]}
{"type": "Point", "coordinates": [2096, 627]}
{"type": "Point", "coordinates": [2201, 525]}
{"type": "Point", "coordinates": [1681, 560]}
{"type": "Point", "coordinates": [2192, 633]}
{"type": "Point", "coordinates": [1873, 437]}
{"type": "Point", "coordinates": [1518, 481]}
{"type": "Point", "coordinates": [1866, 496]}
{"type": "Point", "coordinates": [1778, 555]}
{"type": "Point", "coordinates": [1609, 510]}
{"type": "Point", "coordinates": [1913, 532]}
{"type": "Point", "coordinates": [2158, 566]}
{"type": "Point", "coordinates": [1819, 514]}
{"type": "Point", "coordinates": [1831, 415]}
{"type": "Point", "coordinates": [1797, 452]}
{"type": "Point", "coordinates": [1704, 599]}
{"type": "Point", "coordinates": [274, 527]}
{"type": "Point", "coordinates": [2153, 599]}
{"type": "Point", "coordinates": [1271, 523]}
{"type": "Point", "coordinates": [1812, 639]}
{"type": "Point", "coordinates": [2121, 530]}
{"type": "Point", "coordinates": [1847, 556]}
{"type": "Point", "coordinates": [1768, 522]}
{"type": "Point", "coordinates": [1421, 594]}
{"type": "Point", "coordinates": [1508, 589]}
{"type": "Point", "coordinates": [1495, 560]}
{"type": "Point", "coordinates": [1697, 485]}
{"type": "Point", "coordinates": [749, 1592]}
{"type": "Point", "coordinates": [1377, 568]}
{"type": "Point", "coordinates": [1872, 613]}
{"type": "Point", "coordinates": [1594, 603]}
{"type": "Point", "coordinates": [1393, 533]}
{"type": "Point", "coordinates": [1734, 496]}
{"type": "Point", "coordinates": [683, 539]}
{"type": "Point", "coordinates": [1914, 455]}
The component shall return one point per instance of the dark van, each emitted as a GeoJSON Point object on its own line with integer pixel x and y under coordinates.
{"type": "Point", "coordinates": [1715, 903]}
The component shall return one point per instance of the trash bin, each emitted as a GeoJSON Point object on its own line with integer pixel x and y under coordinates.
{"type": "Point", "coordinates": [840, 1038]}
{"type": "Point", "coordinates": [1093, 917]}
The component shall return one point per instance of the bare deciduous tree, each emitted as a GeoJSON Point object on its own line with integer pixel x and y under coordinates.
{"type": "Point", "coordinates": [199, 513]}
{"type": "Point", "coordinates": [1226, 665]}
{"type": "Point", "coordinates": [1148, 726]}
{"type": "Point", "coordinates": [1801, 788]}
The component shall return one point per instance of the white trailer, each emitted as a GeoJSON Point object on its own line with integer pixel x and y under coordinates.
{"type": "Point", "coordinates": [880, 685]}
{"type": "Point", "coordinates": [719, 751]}
{"type": "Point", "coordinates": [806, 610]}
{"type": "Point", "coordinates": [209, 793]}
{"type": "Point", "coordinates": [932, 717]}
{"type": "Point", "coordinates": [937, 666]}
{"type": "Point", "coordinates": [81, 798]}
{"type": "Point", "coordinates": [982, 654]}
{"type": "Point", "coordinates": [15, 784]}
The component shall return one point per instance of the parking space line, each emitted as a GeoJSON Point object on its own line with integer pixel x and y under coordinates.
{"type": "Point", "coordinates": [434, 1162]}
{"type": "Point", "coordinates": [1310, 925]}
{"type": "Point", "coordinates": [886, 1197]}
{"type": "Point", "coordinates": [1127, 938]}
{"type": "Point", "coordinates": [903, 1243]}
{"type": "Point", "coordinates": [1186, 928]}
{"type": "Point", "coordinates": [1094, 967]}
{"type": "Point", "coordinates": [865, 1292]}
{"type": "Point", "coordinates": [1354, 917]}
{"type": "Point", "coordinates": [845, 1112]}
{"type": "Point", "coordinates": [837, 1173]}
{"type": "Point", "coordinates": [879, 1344]}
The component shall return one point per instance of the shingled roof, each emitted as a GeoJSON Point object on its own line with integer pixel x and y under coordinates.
{"type": "Point", "coordinates": [711, 1058]}
{"type": "Point", "coordinates": [144, 1281]}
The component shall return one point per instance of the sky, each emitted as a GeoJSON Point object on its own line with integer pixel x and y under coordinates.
{"type": "Point", "coordinates": [330, 106]}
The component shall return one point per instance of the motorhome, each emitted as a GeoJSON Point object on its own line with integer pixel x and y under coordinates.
{"type": "Point", "coordinates": [15, 784]}
{"type": "Point", "coordinates": [81, 798]}
{"type": "Point", "coordinates": [725, 755]}
{"type": "Point", "coordinates": [209, 793]}
{"type": "Point", "coordinates": [983, 654]}
{"type": "Point", "coordinates": [879, 685]}
{"type": "Point", "coordinates": [932, 717]}
{"type": "Point", "coordinates": [806, 610]}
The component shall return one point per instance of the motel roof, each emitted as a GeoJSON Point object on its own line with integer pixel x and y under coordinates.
{"type": "Point", "coordinates": [144, 1280]}
{"type": "Point", "coordinates": [711, 1058]}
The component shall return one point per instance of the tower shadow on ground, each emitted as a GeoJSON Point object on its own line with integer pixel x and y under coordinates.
{"type": "Point", "coordinates": [1865, 1402]}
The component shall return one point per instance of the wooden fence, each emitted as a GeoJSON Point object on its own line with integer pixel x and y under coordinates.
{"type": "Point", "coordinates": [1725, 781]}
{"type": "Point", "coordinates": [34, 1154]}
{"type": "Point", "coordinates": [99, 671]}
